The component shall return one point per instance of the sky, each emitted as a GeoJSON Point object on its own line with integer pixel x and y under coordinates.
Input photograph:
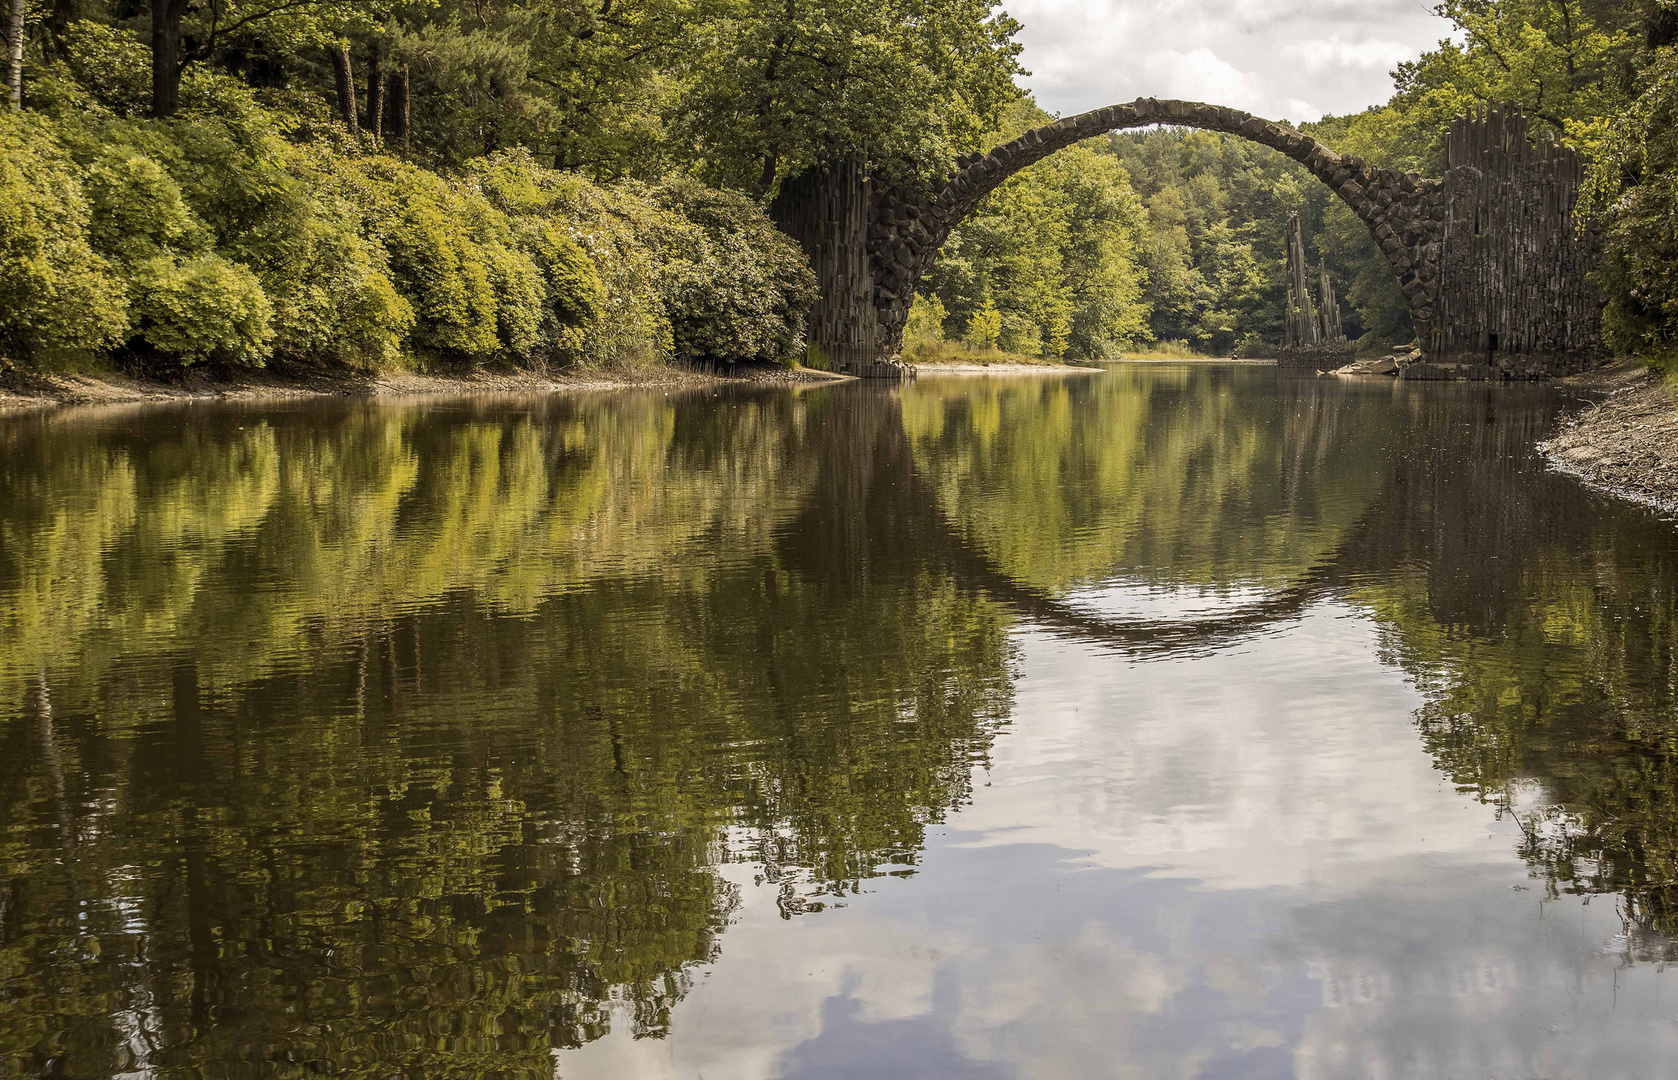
{"type": "Point", "coordinates": [1282, 59]}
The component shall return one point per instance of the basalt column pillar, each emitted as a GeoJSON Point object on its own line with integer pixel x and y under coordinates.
{"type": "Point", "coordinates": [826, 211]}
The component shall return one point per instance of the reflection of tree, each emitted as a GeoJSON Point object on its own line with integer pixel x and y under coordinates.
{"type": "Point", "coordinates": [1538, 621]}
{"type": "Point", "coordinates": [434, 745]}
{"type": "Point", "coordinates": [375, 739]}
{"type": "Point", "coordinates": [1199, 477]}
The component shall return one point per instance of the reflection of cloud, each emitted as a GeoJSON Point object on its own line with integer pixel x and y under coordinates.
{"type": "Point", "coordinates": [1238, 865]}
{"type": "Point", "coordinates": [1266, 775]}
{"type": "Point", "coordinates": [1279, 58]}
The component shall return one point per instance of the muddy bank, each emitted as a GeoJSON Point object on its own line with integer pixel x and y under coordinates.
{"type": "Point", "coordinates": [1627, 443]}
{"type": "Point", "coordinates": [21, 391]}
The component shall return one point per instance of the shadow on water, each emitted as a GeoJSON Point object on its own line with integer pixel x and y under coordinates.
{"type": "Point", "coordinates": [370, 737]}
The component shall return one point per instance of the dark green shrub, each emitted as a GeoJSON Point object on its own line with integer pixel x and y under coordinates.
{"type": "Point", "coordinates": [735, 287]}
{"type": "Point", "coordinates": [213, 236]}
{"type": "Point", "coordinates": [542, 204]}
{"type": "Point", "coordinates": [1639, 269]}
{"type": "Point", "coordinates": [453, 258]}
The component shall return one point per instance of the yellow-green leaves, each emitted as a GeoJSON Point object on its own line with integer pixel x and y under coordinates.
{"type": "Point", "coordinates": [56, 295]}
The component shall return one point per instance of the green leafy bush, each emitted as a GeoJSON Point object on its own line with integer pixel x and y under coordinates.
{"type": "Point", "coordinates": [137, 212]}
{"type": "Point", "coordinates": [613, 226]}
{"type": "Point", "coordinates": [736, 287]}
{"type": "Point", "coordinates": [537, 202]}
{"type": "Point", "coordinates": [205, 308]}
{"type": "Point", "coordinates": [1634, 184]}
{"type": "Point", "coordinates": [433, 261]}
{"type": "Point", "coordinates": [215, 237]}
{"type": "Point", "coordinates": [56, 295]}
{"type": "Point", "coordinates": [335, 302]}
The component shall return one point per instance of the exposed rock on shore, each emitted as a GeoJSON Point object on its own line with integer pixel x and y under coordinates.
{"type": "Point", "coordinates": [1391, 364]}
{"type": "Point", "coordinates": [1628, 442]}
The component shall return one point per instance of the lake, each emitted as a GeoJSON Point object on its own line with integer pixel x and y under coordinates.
{"type": "Point", "coordinates": [1172, 720]}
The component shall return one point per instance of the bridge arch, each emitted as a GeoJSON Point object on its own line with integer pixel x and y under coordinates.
{"type": "Point", "coordinates": [870, 243]}
{"type": "Point", "coordinates": [909, 225]}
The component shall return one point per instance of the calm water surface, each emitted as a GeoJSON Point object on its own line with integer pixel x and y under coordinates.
{"type": "Point", "coordinates": [1167, 722]}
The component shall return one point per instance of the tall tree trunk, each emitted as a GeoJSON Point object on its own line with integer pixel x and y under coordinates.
{"type": "Point", "coordinates": [399, 85]}
{"type": "Point", "coordinates": [375, 121]}
{"type": "Point", "coordinates": [55, 26]}
{"type": "Point", "coordinates": [14, 55]}
{"type": "Point", "coordinates": [346, 86]}
{"type": "Point", "coordinates": [166, 56]}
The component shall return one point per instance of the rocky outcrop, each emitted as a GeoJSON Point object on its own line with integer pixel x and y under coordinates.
{"type": "Point", "coordinates": [1313, 333]}
{"type": "Point", "coordinates": [1394, 363]}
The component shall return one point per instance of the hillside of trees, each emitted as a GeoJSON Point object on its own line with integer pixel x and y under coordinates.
{"type": "Point", "coordinates": [548, 183]}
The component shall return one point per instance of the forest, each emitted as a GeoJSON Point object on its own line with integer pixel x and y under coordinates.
{"type": "Point", "coordinates": [555, 183]}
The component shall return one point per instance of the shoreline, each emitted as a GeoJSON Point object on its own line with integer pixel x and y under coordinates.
{"type": "Point", "coordinates": [26, 392]}
{"type": "Point", "coordinates": [1007, 368]}
{"type": "Point", "coordinates": [1626, 444]}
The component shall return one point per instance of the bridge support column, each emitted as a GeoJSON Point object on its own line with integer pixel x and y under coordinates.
{"type": "Point", "coordinates": [828, 211]}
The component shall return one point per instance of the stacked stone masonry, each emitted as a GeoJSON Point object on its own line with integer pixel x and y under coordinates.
{"type": "Point", "coordinates": [1498, 228]}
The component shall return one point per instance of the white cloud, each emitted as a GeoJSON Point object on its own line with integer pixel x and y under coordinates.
{"type": "Point", "coordinates": [1277, 58]}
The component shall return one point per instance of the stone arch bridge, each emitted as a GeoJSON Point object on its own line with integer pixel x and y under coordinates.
{"type": "Point", "coordinates": [1479, 276]}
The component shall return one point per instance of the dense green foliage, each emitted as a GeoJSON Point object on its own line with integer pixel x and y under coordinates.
{"type": "Point", "coordinates": [552, 182]}
{"type": "Point", "coordinates": [1214, 247]}
{"type": "Point", "coordinates": [1636, 188]}
{"type": "Point", "coordinates": [212, 236]}
{"type": "Point", "coordinates": [1590, 71]}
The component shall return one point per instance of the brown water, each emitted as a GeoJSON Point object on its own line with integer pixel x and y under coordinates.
{"type": "Point", "coordinates": [1171, 721]}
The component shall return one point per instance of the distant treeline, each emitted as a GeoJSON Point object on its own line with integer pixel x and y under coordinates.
{"type": "Point", "coordinates": [553, 182]}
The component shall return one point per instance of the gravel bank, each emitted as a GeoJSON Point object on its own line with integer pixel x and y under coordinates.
{"type": "Point", "coordinates": [1627, 443]}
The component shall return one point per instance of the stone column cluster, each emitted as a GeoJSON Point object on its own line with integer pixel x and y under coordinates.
{"type": "Point", "coordinates": [1302, 329]}
{"type": "Point", "coordinates": [1313, 334]}
{"type": "Point", "coordinates": [1517, 297]}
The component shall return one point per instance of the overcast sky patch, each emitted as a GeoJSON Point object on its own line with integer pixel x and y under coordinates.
{"type": "Point", "coordinates": [1283, 59]}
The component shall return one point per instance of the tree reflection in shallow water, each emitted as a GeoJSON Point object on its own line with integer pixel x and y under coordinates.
{"type": "Point", "coordinates": [367, 737]}
{"type": "Point", "coordinates": [438, 728]}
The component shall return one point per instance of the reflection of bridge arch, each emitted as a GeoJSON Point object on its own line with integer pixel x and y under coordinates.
{"type": "Point", "coordinates": [1138, 637]}
{"type": "Point", "coordinates": [869, 462]}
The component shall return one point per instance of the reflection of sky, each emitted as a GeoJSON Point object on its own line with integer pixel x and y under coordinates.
{"type": "Point", "coordinates": [1143, 599]}
{"type": "Point", "coordinates": [1239, 865]}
